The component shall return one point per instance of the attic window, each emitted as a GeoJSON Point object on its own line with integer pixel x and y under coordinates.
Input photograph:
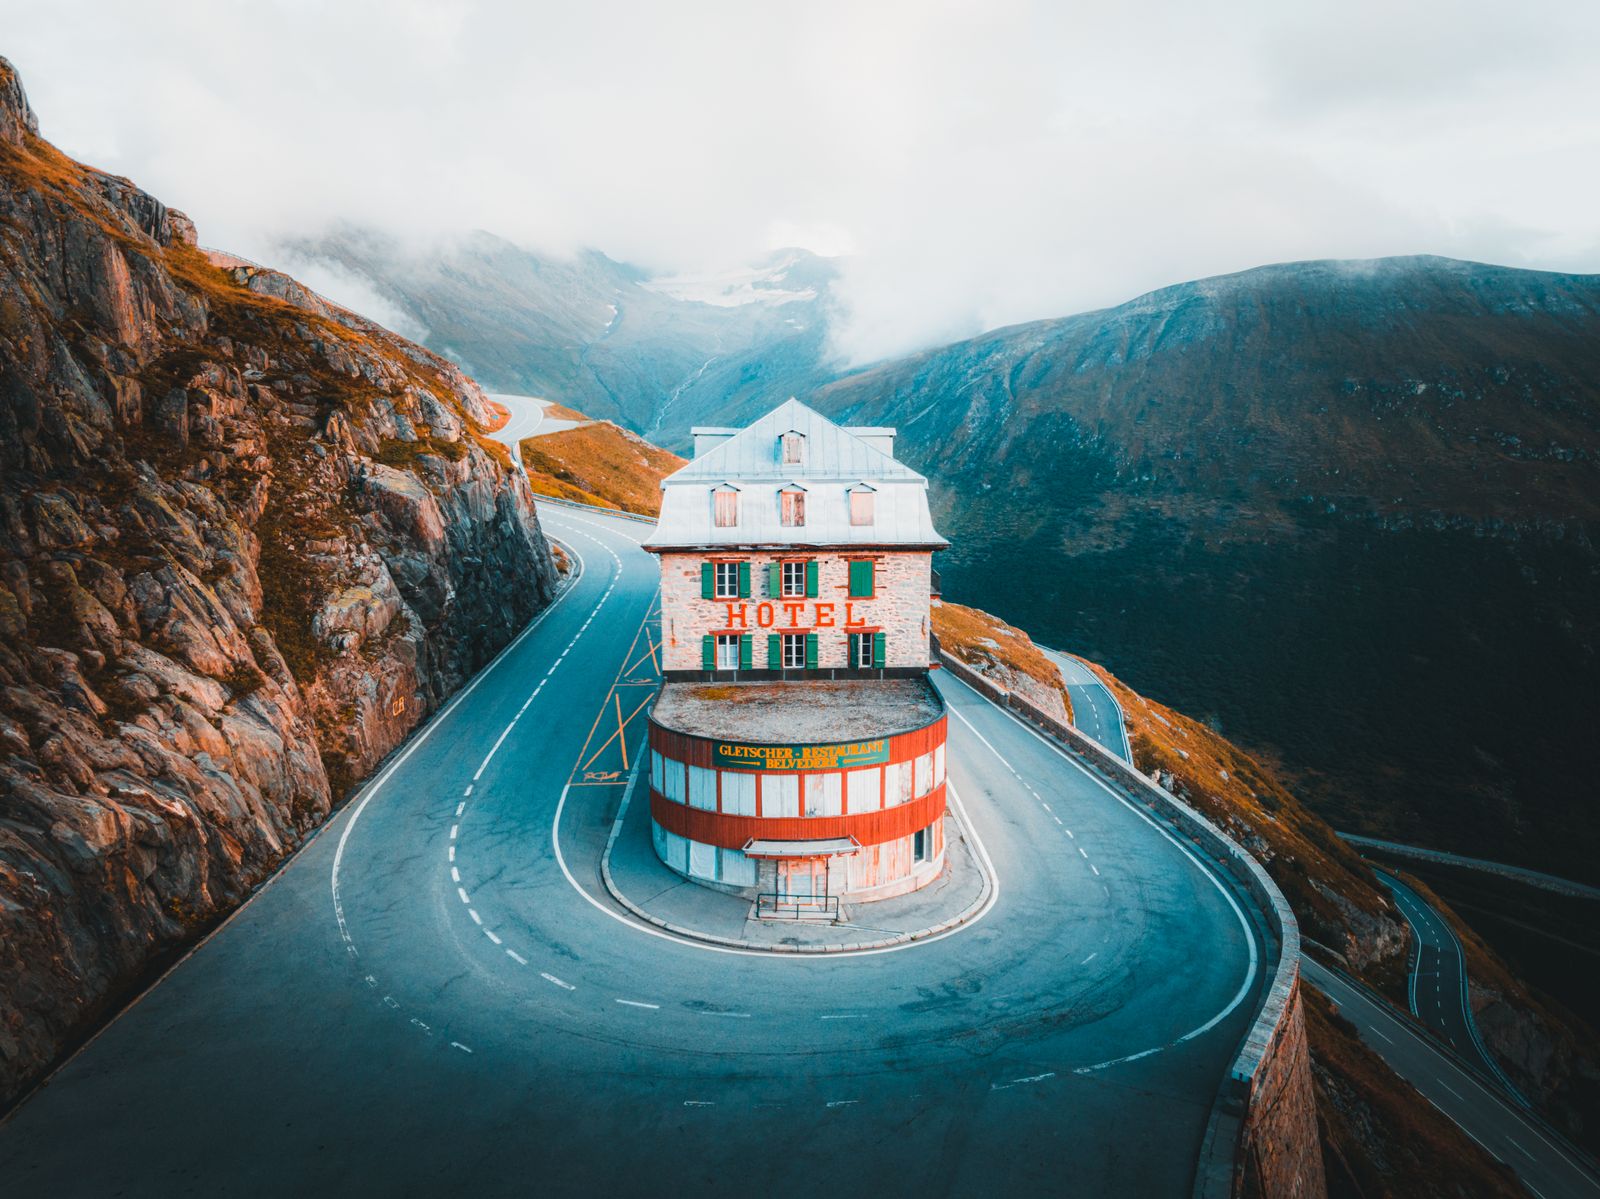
{"type": "Point", "coordinates": [792, 507]}
{"type": "Point", "coordinates": [863, 507]}
{"type": "Point", "coordinates": [725, 507]}
{"type": "Point", "coordinates": [793, 448]}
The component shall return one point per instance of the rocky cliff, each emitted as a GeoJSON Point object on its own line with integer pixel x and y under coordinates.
{"type": "Point", "coordinates": [248, 541]}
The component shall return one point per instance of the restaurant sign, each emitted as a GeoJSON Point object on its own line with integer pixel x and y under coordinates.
{"type": "Point", "coordinates": [733, 756]}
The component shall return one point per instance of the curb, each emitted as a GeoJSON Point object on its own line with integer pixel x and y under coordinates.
{"type": "Point", "coordinates": [973, 909]}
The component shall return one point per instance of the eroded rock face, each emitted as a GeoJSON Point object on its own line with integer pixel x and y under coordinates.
{"type": "Point", "coordinates": [248, 541]}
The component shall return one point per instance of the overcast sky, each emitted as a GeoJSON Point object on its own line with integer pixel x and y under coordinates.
{"type": "Point", "coordinates": [981, 163]}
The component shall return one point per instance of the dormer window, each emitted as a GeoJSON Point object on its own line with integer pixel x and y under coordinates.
{"type": "Point", "coordinates": [792, 506]}
{"type": "Point", "coordinates": [863, 505]}
{"type": "Point", "coordinates": [725, 507]}
{"type": "Point", "coordinates": [792, 448]}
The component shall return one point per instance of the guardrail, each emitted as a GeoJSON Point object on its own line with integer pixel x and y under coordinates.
{"type": "Point", "coordinates": [1221, 1163]}
{"type": "Point", "coordinates": [617, 512]}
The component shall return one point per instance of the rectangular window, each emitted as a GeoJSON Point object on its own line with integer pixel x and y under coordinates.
{"type": "Point", "coordinates": [673, 773]}
{"type": "Point", "coordinates": [896, 783]}
{"type": "Point", "coordinates": [823, 794]}
{"type": "Point", "coordinates": [727, 651]}
{"type": "Point", "coordinates": [735, 869]}
{"type": "Point", "coordinates": [794, 650]}
{"type": "Point", "coordinates": [794, 449]}
{"type": "Point", "coordinates": [861, 579]}
{"type": "Point", "coordinates": [792, 509]}
{"type": "Point", "coordinates": [865, 790]}
{"type": "Point", "coordinates": [703, 788]}
{"type": "Point", "coordinates": [727, 580]}
{"type": "Point", "coordinates": [861, 651]}
{"type": "Point", "coordinates": [738, 793]}
{"type": "Point", "coordinates": [861, 507]}
{"type": "Point", "coordinates": [726, 509]}
{"type": "Point", "coordinates": [938, 765]}
{"type": "Point", "coordinates": [657, 771]}
{"type": "Point", "coordinates": [780, 795]}
{"type": "Point", "coordinates": [924, 774]}
{"type": "Point", "coordinates": [702, 860]}
{"type": "Point", "coordinates": [921, 842]}
{"type": "Point", "coordinates": [794, 579]}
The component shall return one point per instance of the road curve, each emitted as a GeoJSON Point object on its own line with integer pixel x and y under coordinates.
{"type": "Point", "coordinates": [463, 1011]}
{"type": "Point", "coordinates": [1095, 711]}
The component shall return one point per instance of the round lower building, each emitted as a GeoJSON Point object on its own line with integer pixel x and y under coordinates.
{"type": "Point", "coordinates": [800, 794]}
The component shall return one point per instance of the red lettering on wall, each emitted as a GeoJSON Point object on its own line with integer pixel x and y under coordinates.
{"type": "Point", "coordinates": [851, 620]}
{"type": "Point", "coordinates": [736, 616]}
{"type": "Point", "coordinates": [824, 616]}
{"type": "Point", "coordinates": [794, 612]}
{"type": "Point", "coordinates": [764, 615]}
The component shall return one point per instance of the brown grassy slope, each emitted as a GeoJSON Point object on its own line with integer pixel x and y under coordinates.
{"type": "Point", "coordinates": [1379, 1137]}
{"type": "Point", "coordinates": [997, 650]}
{"type": "Point", "coordinates": [599, 463]}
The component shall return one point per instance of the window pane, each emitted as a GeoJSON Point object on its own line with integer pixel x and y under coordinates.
{"type": "Point", "coordinates": [727, 651]}
{"type": "Point", "coordinates": [794, 579]}
{"type": "Point", "coordinates": [794, 649]}
{"type": "Point", "coordinates": [794, 508]}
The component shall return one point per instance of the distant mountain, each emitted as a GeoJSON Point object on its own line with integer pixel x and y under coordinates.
{"type": "Point", "coordinates": [656, 355]}
{"type": "Point", "coordinates": [1349, 508]}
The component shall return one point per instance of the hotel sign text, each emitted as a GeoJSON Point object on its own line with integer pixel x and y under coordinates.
{"type": "Point", "coordinates": [731, 755]}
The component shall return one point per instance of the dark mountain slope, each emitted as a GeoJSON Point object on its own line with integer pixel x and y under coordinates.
{"type": "Point", "coordinates": [247, 543]}
{"type": "Point", "coordinates": [1350, 509]}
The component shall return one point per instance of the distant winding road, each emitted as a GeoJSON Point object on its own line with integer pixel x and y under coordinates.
{"type": "Point", "coordinates": [436, 996]}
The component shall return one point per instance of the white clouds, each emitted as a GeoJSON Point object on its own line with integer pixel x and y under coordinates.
{"type": "Point", "coordinates": [983, 163]}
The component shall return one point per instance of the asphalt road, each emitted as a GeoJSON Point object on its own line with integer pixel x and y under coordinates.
{"type": "Point", "coordinates": [436, 997]}
{"type": "Point", "coordinates": [1095, 710]}
{"type": "Point", "coordinates": [1546, 1167]}
{"type": "Point", "coordinates": [1533, 878]}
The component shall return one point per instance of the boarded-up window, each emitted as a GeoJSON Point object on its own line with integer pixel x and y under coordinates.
{"type": "Point", "coordinates": [938, 765]}
{"type": "Point", "coordinates": [865, 789]}
{"type": "Point", "coordinates": [673, 773]}
{"type": "Point", "coordinates": [924, 774]}
{"type": "Point", "coordinates": [726, 508]}
{"type": "Point", "coordinates": [862, 508]}
{"type": "Point", "coordinates": [702, 788]}
{"type": "Point", "coordinates": [656, 775]}
{"type": "Point", "coordinates": [702, 860]}
{"type": "Point", "coordinates": [735, 868]}
{"type": "Point", "coordinates": [792, 508]}
{"type": "Point", "coordinates": [823, 794]}
{"type": "Point", "coordinates": [780, 795]}
{"type": "Point", "coordinates": [896, 783]}
{"type": "Point", "coordinates": [673, 850]}
{"type": "Point", "coordinates": [794, 449]}
{"type": "Point", "coordinates": [739, 794]}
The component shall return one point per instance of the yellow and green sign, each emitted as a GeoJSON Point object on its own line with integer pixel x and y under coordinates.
{"type": "Point", "coordinates": [732, 756]}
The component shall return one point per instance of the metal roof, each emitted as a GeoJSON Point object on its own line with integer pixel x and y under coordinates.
{"type": "Point", "coordinates": [826, 847]}
{"type": "Point", "coordinates": [835, 459]}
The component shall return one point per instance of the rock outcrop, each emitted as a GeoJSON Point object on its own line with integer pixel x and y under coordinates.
{"type": "Point", "coordinates": [248, 541]}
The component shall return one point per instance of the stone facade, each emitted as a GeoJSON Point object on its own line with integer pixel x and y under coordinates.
{"type": "Point", "coordinates": [1280, 1153]}
{"type": "Point", "coordinates": [898, 607]}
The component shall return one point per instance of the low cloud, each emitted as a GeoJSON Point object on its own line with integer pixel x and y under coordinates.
{"type": "Point", "coordinates": [980, 163]}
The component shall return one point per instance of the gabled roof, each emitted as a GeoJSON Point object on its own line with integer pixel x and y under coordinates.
{"type": "Point", "coordinates": [836, 462]}
{"type": "Point", "coordinates": [832, 452]}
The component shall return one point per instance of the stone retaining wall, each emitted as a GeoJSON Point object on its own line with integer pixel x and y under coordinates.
{"type": "Point", "coordinates": [1261, 1140]}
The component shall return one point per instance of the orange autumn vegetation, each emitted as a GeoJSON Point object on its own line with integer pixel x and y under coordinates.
{"type": "Point", "coordinates": [984, 642]}
{"type": "Point", "coordinates": [599, 463]}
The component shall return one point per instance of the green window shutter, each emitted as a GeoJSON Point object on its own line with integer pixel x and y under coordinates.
{"type": "Point", "coordinates": [747, 652]}
{"type": "Point", "coordinates": [811, 579]}
{"type": "Point", "coordinates": [708, 652]}
{"type": "Point", "coordinates": [708, 581]}
{"type": "Point", "coordinates": [774, 652]}
{"type": "Point", "coordinates": [880, 653]}
{"type": "Point", "coordinates": [811, 651]}
{"type": "Point", "coordinates": [860, 580]}
{"type": "Point", "coordinates": [850, 645]}
{"type": "Point", "coordinates": [774, 579]}
{"type": "Point", "coordinates": [744, 580]}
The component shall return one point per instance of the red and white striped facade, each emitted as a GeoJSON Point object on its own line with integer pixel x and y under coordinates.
{"type": "Point", "coordinates": [798, 747]}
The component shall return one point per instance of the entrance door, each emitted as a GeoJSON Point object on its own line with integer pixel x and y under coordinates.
{"type": "Point", "coordinates": [801, 882]}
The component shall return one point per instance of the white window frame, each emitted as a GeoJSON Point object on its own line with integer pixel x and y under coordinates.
{"type": "Point", "coordinates": [725, 580]}
{"type": "Point", "coordinates": [727, 651]}
{"type": "Point", "coordinates": [793, 646]}
{"type": "Point", "coordinates": [792, 579]}
{"type": "Point", "coordinates": [862, 639]}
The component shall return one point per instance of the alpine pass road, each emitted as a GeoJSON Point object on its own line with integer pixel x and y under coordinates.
{"type": "Point", "coordinates": [436, 996]}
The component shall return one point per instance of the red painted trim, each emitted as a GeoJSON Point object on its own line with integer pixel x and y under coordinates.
{"type": "Point", "coordinates": [733, 832]}
{"type": "Point", "coordinates": [698, 751]}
